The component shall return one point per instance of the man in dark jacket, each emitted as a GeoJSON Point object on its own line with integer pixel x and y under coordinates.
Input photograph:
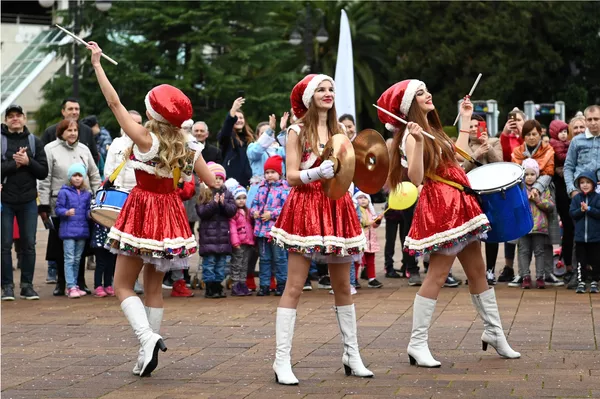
{"type": "Point", "coordinates": [70, 110]}
{"type": "Point", "coordinates": [22, 166]}
{"type": "Point", "coordinates": [210, 153]}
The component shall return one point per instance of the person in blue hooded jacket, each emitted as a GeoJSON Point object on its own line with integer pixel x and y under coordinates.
{"type": "Point", "coordinates": [72, 207]}
{"type": "Point", "coordinates": [585, 211]}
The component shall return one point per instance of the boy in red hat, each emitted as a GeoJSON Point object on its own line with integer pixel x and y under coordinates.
{"type": "Point", "coordinates": [265, 209]}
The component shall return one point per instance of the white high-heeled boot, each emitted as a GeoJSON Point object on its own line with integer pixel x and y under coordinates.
{"type": "Point", "coordinates": [353, 364]}
{"type": "Point", "coordinates": [284, 332]}
{"type": "Point", "coordinates": [150, 343]}
{"type": "Point", "coordinates": [155, 316]}
{"type": "Point", "coordinates": [487, 307]}
{"type": "Point", "coordinates": [418, 349]}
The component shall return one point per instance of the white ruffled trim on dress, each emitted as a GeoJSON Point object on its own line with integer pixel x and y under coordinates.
{"type": "Point", "coordinates": [448, 235]}
{"type": "Point", "coordinates": [152, 245]}
{"type": "Point", "coordinates": [152, 152]}
{"type": "Point", "coordinates": [283, 238]}
{"type": "Point", "coordinates": [161, 264]}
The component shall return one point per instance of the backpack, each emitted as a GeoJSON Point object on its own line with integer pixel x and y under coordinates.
{"type": "Point", "coordinates": [31, 139]}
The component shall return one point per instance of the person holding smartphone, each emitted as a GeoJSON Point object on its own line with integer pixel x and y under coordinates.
{"type": "Point", "coordinates": [511, 136]}
{"type": "Point", "coordinates": [483, 148]}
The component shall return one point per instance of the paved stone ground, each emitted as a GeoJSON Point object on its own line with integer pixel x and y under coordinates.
{"type": "Point", "coordinates": [61, 348]}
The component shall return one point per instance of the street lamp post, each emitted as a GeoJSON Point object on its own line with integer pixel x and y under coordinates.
{"type": "Point", "coordinates": [322, 36]}
{"type": "Point", "coordinates": [76, 7]}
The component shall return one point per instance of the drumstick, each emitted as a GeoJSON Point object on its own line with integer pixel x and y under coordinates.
{"type": "Point", "coordinates": [470, 93]}
{"type": "Point", "coordinates": [80, 40]}
{"type": "Point", "coordinates": [401, 120]}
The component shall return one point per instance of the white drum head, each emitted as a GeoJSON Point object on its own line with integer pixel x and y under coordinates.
{"type": "Point", "coordinates": [495, 176]}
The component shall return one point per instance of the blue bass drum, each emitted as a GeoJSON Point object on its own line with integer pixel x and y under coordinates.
{"type": "Point", "coordinates": [504, 201]}
{"type": "Point", "coordinates": [106, 206]}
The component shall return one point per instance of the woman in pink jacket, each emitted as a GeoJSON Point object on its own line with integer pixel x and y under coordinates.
{"type": "Point", "coordinates": [241, 233]}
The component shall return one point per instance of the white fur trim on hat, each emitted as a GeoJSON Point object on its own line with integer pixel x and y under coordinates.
{"type": "Point", "coordinates": [391, 127]}
{"type": "Point", "coordinates": [311, 87]}
{"type": "Point", "coordinates": [153, 113]}
{"type": "Point", "coordinates": [409, 95]}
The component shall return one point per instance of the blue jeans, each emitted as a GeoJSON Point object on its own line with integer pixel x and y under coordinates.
{"type": "Point", "coordinates": [352, 274]}
{"type": "Point", "coordinates": [271, 255]}
{"type": "Point", "coordinates": [73, 250]}
{"type": "Point", "coordinates": [26, 214]}
{"type": "Point", "coordinates": [213, 267]}
{"type": "Point", "coordinates": [313, 267]}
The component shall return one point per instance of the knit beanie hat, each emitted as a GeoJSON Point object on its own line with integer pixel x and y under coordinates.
{"type": "Point", "coordinates": [239, 191]}
{"type": "Point", "coordinates": [274, 163]}
{"type": "Point", "coordinates": [531, 164]}
{"type": "Point", "coordinates": [217, 170]}
{"type": "Point", "coordinates": [235, 188]}
{"type": "Point", "coordinates": [76, 168]}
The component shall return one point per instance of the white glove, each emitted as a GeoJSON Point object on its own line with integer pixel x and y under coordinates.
{"type": "Point", "coordinates": [324, 171]}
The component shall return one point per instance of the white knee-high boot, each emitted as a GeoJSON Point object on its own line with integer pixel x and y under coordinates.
{"type": "Point", "coordinates": [284, 332]}
{"type": "Point", "coordinates": [155, 316]}
{"type": "Point", "coordinates": [487, 307]}
{"type": "Point", "coordinates": [150, 343]}
{"type": "Point", "coordinates": [418, 349]}
{"type": "Point", "coordinates": [353, 364]}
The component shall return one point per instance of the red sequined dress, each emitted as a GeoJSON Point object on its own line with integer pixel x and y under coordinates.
{"type": "Point", "coordinates": [446, 219]}
{"type": "Point", "coordinates": [153, 223]}
{"type": "Point", "coordinates": [310, 223]}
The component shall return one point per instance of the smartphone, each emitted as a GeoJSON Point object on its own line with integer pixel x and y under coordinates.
{"type": "Point", "coordinates": [241, 93]}
{"type": "Point", "coordinates": [481, 127]}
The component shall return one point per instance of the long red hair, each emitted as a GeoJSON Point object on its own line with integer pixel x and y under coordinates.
{"type": "Point", "coordinates": [435, 152]}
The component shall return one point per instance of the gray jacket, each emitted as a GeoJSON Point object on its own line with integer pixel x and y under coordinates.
{"type": "Point", "coordinates": [60, 157]}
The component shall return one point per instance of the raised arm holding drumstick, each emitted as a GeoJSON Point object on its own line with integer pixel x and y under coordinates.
{"type": "Point", "coordinates": [448, 220]}
{"type": "Point", "coordinates": [152, 227]}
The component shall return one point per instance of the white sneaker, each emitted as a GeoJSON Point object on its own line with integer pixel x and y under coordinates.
{"type": "Point", "coordinates": [516, 281]}
{"type": "Point", "coordinates": [551, 279]}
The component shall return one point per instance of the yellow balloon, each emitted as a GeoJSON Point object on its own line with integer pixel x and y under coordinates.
{"type": "Point", "coordinates": [404, 196]}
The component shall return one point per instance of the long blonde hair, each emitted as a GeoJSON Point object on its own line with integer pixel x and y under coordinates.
{"type": "Point", "coordinates": [310, 132]}
{"type": "Point", "coordinates": [435, 152]}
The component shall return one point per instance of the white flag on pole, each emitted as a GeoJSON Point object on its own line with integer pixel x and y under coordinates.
{"type": "Point", "coordinates": [344, 71]}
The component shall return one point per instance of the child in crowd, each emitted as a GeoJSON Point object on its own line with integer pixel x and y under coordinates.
{"type": "Point", "coordinates": [585, 210]}
{"type": "Point", "coordinates": [267, 205]}
{"type": "Point", "coordinates": [241, 234]}
{"type": "Point", "coordinates": [369, 222]}
{"type": "Point", "coordinates": [105, 263]}
{"type": "Point", "coordinates": [215, 208]}
{"type": "Point", "coordinates": [533, 243]}
{"type": "Point", "coordinates": [72, 207]}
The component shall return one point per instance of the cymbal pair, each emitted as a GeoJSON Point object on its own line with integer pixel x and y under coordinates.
{"type": "Point", "coordinates": [365, 161]}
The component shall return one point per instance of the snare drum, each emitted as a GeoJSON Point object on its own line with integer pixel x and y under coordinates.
{"type": "Point", "coordinates": [504, 200]}
{"type": "Point", "coordinates": [106, 206]}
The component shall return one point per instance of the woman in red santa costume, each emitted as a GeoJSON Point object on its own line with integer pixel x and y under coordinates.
{"type": "Point", "coordinates": [313, 227]}
{"type": "Point", "coordinates": [448, 221]}
{"type": "Point", "coordinates": [152, 228]}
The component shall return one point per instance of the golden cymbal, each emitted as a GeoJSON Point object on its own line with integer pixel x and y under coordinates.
{"type": "Point", "coordinates": [339, 150]}
{"type": "Point", "coordinates": [372, 161]}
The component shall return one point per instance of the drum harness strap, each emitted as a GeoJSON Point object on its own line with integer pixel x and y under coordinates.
{"type": "Point", "coordinates": [465, 189]}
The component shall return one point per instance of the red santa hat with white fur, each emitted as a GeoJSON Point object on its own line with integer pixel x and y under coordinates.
{"type": "Point", "coordinates": [168, 104]}
{"type": "Point", "coordinates": [397, 99]}
{"type": "Point", "coordinates": [303, 92]}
